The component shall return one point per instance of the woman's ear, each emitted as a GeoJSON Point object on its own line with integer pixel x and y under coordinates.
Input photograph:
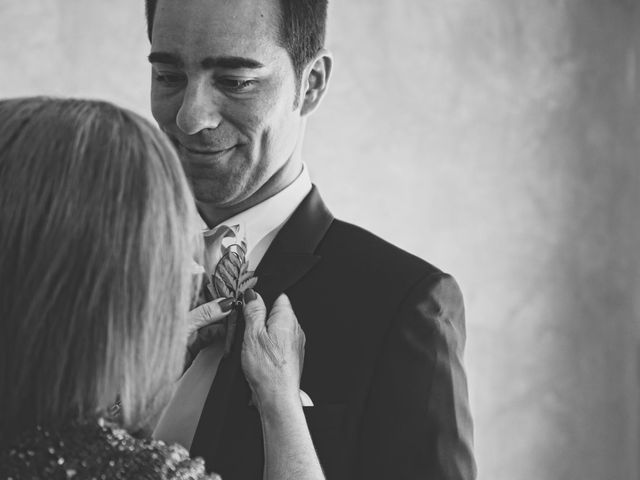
{"type": "Point", "coordinates": [316, 81]}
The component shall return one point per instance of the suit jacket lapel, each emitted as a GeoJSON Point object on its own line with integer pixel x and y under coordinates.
{"type": "Point", "coordinates": [290, 256]}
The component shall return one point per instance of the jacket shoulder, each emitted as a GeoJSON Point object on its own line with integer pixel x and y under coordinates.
{"type": "Point", "coordinates": [359, 249]}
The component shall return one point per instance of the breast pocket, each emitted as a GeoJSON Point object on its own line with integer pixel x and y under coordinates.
{"type": "Point", "coordinates": [327, 424]}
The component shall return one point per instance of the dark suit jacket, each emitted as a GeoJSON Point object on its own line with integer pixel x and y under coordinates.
{"type": "Point", "coordinates": [383, 365]}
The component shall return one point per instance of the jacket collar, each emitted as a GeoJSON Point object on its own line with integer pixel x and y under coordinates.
{"type": "Point", "coordinates": [292, 253]}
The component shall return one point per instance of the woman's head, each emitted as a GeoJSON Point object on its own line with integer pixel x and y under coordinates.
{"type": "Point", "coordinates": [96, 236]}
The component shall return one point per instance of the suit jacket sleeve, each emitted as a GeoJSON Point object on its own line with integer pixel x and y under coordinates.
{"type": "Point", "coordinates": [417, 423]}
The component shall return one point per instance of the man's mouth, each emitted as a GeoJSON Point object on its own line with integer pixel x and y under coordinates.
{"type": "Point", "coordinates": [206, 151]}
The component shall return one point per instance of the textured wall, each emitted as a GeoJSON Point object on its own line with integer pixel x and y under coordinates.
{"type": "Point", "coordinates": [499, 140]}
{"type": "Point", "coordinates": [87, 48]}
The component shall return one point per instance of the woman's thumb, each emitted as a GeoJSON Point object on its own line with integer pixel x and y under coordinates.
{"type": "Point", "coordinates": [254, 309]}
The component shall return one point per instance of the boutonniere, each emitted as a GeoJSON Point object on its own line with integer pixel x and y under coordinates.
{"type": "Point", "coordinates": [230, 279]}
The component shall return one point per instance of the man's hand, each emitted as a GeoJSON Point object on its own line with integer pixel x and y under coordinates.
{"type": "Point", "coordinates": [272, 351]}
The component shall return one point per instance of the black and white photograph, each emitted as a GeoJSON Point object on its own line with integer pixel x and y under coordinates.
{"type": "Point", "coordinates": [320, 239]}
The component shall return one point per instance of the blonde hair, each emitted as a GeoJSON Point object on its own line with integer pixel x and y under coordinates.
{"type": "Point", "coordinates": [96, 239]}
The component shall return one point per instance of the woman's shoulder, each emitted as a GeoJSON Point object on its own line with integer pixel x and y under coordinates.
{"type": "Point", "coordinates": [96, 450]}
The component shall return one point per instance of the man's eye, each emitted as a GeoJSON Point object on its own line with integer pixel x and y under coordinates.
{"type": "Point", "coordinates": [169, 79]}
{"type": "Point", "coordinates": [236, 84]}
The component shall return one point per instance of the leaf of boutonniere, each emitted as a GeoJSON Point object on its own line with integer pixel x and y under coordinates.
{"type": "Point", "coordinates": [221, 288]}
{"type": "Point", "coordinates": [231, 279]}
{"type": "Point", "coordinates": [227, 274]}
{"type": "Point", "coordinates": [248, 280]}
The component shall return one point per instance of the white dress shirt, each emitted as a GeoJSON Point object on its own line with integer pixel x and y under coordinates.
{"type": "Point", "coordinates": [260, 224]}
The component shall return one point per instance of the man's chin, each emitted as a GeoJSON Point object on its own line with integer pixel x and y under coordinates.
{"type": "Point", "coordinates": [217, 194]}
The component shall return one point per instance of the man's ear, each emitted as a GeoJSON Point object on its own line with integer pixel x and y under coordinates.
{"type": "Point", "coordinates": [316, 81]}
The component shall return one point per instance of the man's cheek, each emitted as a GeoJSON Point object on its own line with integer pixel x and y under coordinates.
{"type": "Point", "coordinates": [247, 117]}
{"type": "Point", "coordinates": [163, 108]}
{"type": "Point", "coordinates": [159, 113]}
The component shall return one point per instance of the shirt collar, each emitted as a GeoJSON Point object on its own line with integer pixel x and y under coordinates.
{"type": "Point", "coordinates": [262, 219]}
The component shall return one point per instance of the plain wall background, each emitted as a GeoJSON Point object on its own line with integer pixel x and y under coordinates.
{"type": "Point", "coordinates": [498, 140]}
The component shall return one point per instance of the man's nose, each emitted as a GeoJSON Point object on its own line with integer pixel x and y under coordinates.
{"type": "Point", "coordinates": [199, 109]}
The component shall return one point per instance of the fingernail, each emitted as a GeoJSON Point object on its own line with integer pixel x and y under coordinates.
{"type": "Point", "coordinates": [249, 295]}
{"type": "Point", "coordinates": [226, 305]}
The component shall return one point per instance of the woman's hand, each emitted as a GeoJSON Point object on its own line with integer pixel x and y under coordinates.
{"type": "Point", "coordinates": [272, 351]}
{"type": "Point", "coordinates": [272, 357]}
{"type": "Point", "coordinates": [206, 325]}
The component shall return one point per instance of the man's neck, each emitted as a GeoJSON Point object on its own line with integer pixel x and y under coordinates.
{"type": "Point", "coordinates": [214, 215]}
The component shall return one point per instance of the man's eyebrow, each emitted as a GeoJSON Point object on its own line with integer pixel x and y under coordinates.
{"type": "Point", "coordinates": [208, 63]}
{"type": "Point", "coordinates": [166, 58]}
{"type": "Point", "coordinates": [230, 62]}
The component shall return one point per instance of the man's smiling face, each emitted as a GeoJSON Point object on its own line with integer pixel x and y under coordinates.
{"type": "Point", "coordinates": [224, 90]}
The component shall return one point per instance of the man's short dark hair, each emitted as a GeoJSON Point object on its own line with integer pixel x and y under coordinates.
{"type": "Point", "coordinates": [302, 29]}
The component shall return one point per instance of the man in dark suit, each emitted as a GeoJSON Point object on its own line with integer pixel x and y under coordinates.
{"type": "Point", "coordinates": [233, 85]}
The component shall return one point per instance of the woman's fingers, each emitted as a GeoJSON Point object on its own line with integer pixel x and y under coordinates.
{"type": "Point", "coordinates": [282, 317]}
{"type": "Point", "coordinates": [282, 313]}
{"type": "Point", "coordinates": [206, 324]}
{"type": "Point", "coordinates": [255, 312]}
{"type": "Point", "coordinates": [272, 350]}
{"type": "Point", "coordinates": [210, 313]}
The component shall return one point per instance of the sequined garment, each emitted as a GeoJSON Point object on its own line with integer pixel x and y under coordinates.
{"type": "Point", "coordinates": [97, 451]}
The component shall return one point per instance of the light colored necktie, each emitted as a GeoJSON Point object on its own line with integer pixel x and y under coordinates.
{"type": "Point", "coordinates": [213, 242]}
{"type": "Point", "coordinates": [180, 418]}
